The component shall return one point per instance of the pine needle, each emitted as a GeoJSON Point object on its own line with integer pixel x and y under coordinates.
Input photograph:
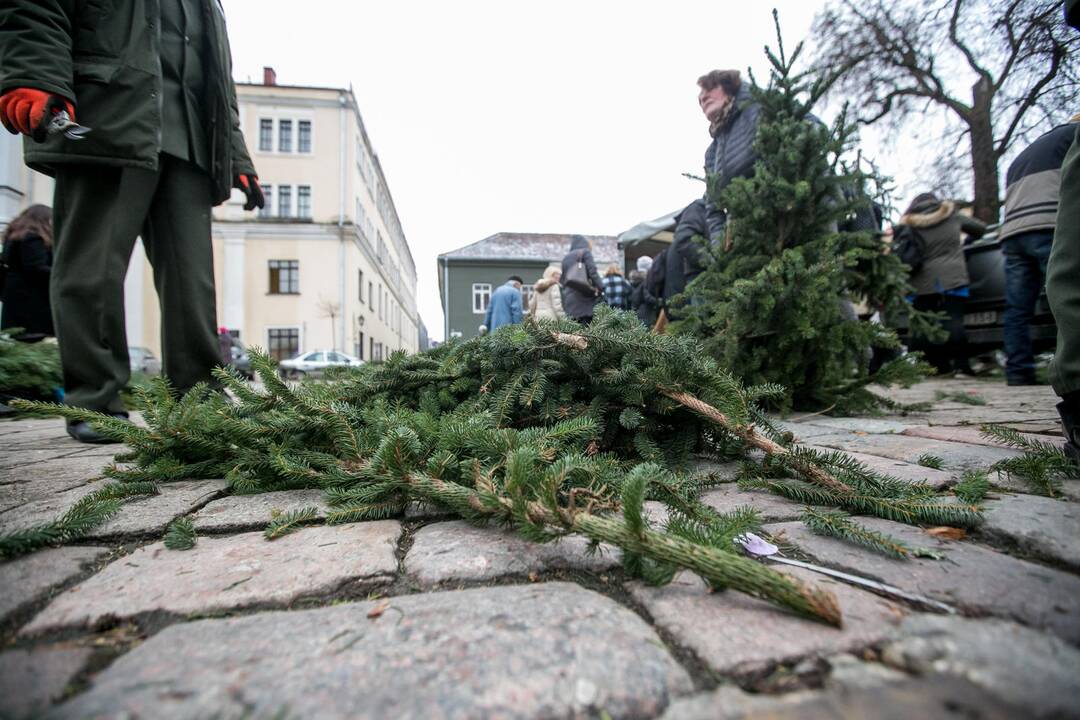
{"type": "Point", "coordinates": [180, 534]}
{"type": "Point", "coordinates": [285, 523]}
{"type": "Point", "coordinates": [930, 461]}
{"type": "Point", "coordinates": [840, 525]}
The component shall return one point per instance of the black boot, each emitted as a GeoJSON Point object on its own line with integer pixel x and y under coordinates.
{"type": "Point", "coordinates": [1069, 410]}
{"type": "Point", "coordinates": [81, 431]}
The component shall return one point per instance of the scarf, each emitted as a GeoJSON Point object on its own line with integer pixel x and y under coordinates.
{"type": "Point", "coordinates": [722, 118]}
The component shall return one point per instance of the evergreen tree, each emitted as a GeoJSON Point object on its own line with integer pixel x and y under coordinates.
{"type": "Point", "coordinates": [774, 304]}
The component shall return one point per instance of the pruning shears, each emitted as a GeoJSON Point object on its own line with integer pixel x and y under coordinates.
{"type": "Point", "coordinates": [61, 122]}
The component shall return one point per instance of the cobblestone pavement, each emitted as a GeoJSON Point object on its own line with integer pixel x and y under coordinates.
{"type": "Point", "coordinates": [424, 616]}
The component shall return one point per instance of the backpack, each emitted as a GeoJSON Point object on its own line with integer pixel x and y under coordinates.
{"type": "Point", "coordinates": [908, 245]}
{"type": "Point", "coordinates": [577, 277]}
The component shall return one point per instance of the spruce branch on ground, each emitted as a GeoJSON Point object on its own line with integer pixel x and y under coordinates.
{"type": "Point", "coordinates": [180, 534]}
{"type": "Point", "coordinates": [549, 428]}
{"type": "Point", "coordinates": [840, 525]}
{"type": "Point", "coordinates": [86, 514]}
{"type": "Point", "coordinates": [1043, 466]}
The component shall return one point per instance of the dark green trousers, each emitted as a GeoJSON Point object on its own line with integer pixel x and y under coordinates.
{"type": "Point", "coordinates": [1063, 278]}
{"type": "Point", "coordinates": [98, 213]}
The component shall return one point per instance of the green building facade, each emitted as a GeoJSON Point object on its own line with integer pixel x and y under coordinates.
{"type": "Point", "coordinates": [468, 275]}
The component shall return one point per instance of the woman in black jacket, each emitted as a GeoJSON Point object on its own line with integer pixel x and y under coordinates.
{"type": "Point", "coordinates": [579, 302]}
{"type": "Point", "coordinates": [27, 260]}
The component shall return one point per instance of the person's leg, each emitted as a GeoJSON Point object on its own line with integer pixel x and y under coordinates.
{"type": "Point", "coordinates": [1023, 281]}
{"type": "Point", "coordinates": [177, 240]}
{"type": "Point", "coordinates": [98, 212]}
{"type": "Point", "coordinates": [956, 354]}
{"type": "Point", "coordinates": [1063, 291]}
{"type": "Point", "coordinates": [935, 353]}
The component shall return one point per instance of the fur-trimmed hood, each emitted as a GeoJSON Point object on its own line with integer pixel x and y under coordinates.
{"type": "Point", "coordinates": [943, 212]}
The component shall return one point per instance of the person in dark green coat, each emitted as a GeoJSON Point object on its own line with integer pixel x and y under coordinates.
{"type": "Point", "coordinates": [152, 79]}
{"type": "Point", "coordinates": [1063, 288]}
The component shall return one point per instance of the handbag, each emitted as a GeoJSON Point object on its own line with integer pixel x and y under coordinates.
{"type": "Point", "coordinates": [908, 245]}
{"type": "Point", "coordinates": [577, 277]}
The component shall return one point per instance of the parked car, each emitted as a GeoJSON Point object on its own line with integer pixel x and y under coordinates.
{"type": "Point", "coordinates": [315, 362]}
{"type": "Point", "coordinates": [986, 304]}
{"type": "Point", "coordinates": [241, 361]}
{"type": "Point", "coordinates": [144, 361]}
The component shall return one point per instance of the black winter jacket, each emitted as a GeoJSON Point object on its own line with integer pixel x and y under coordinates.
{"type": "Point", "coordinates": [104, 56]}
{"type": "Point", "coordinates": [577, 304]}
{"type": "Point", "coordinates": [26, 286]}
{"type": "Point", "coordinates": [731, 153]}
{"type": "Point", "coordinates": [1033, 183]}
{"type": "Point", "coordinates": [686, 259]}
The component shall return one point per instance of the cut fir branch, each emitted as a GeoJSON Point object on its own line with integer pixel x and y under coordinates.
{"type": "Point", "coordinates": [1043, 466]}
{"type": "Point", "coordinates": [86, 514]}
{"type": "Point", "coordinates": [840, 525]}
{"type": "Point", "coordinates": [180, 534]}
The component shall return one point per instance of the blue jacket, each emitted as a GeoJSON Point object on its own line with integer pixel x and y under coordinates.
{"type": "Point", "coordinates": [504, 308]}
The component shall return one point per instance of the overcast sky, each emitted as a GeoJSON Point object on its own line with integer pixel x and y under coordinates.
{"type": "Point", "coordinates": [561, 117]}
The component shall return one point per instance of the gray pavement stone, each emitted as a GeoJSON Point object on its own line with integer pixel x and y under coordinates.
{"type": "Point", "coordinates": [1070, 489]}
{"type": "Point", "coordinates": [549, 650]}
{"type": "Point", "coordinates": [954, 456]}
{"type": "Point", "coordinates": [729, 497]}
{"type": "Point", "coordinates": [152, 514]}
{"type": "Point", "coordinates": [31, 680]}
{"type": "Point", "coordinates": [228, 573]}
{"type": "Point", "coordinates": [871, 426]}
{"type": "Point", "coordinates": [734, 633]}
{"type": "Point", "coordinates": [1044, 527]}
{"type": "Point", "coordinates": [248, 512]}
{"type": "Point", "coordinates": [1025, 667]}
{"type": "Point", "coordinates": [148, 515]}
{"type": "Point", "coordinates": [804, 431]}
{"type": "Point", "coordinates": [903, 470]}
{"type": "Point", "coordinates": [29, 579]}
{"type": "Point", "coordinates": [971, 435]}
{"type": "Point", "coordinates": [725, 472]}
{"type": "Point", "coordinates": [456, 551]}
{"type": "Point", "coordinates": [933, 697]}
{"type": "Point", "coordinates": [970, 575]}
{"type": "Point", "coordinates": [29, 483]}
{"type": "Point", "coordinates": [847, 672]}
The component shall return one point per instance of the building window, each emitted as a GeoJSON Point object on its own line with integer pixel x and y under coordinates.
{"type": "Point", "coordinates": [380, 303]}
{"type": "Point", "coordinates": [268, 205]}
{"type": "Point", "coordinates": [358, 348]}
{"type": "Point", "coordinates": [303, 201]}
{"type": "Point", "coordinates": [370, 297]}
{"type": "Point", "coordinates": [284, 277]}
{"type": "Point", "coordinates": [266, 134]}
{"type": "Point", "coordinates": [283, 343]}
{"type": "Point", "coordinates": [284, 204]}
{"type": "Point", "coordinates": [284, 136]}
{"type": "Point", "coordinates": [526, 295]}
{"type": "Point", "coordinates": [361, 296]}
{"type": "Point", "coordinates": [303, 136]}
{"type": "Point", "coordinates": [371, 348]}
{"type": "Point", "coordinates": [481, 296]}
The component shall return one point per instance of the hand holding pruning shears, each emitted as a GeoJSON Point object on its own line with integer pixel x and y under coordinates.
{"type": "Point", "coordinates": [39, 114]}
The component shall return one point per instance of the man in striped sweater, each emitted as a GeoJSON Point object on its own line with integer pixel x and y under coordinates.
{"type": "Point", "coordinates": [1032, 190]}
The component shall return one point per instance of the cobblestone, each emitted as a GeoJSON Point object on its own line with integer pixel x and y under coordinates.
{"type": "Point", "coordinates": [552, 650]}
{"type": "Point", "coordinates": [29, 579]}
{"type": "Point", "coordinates": [226, 573]}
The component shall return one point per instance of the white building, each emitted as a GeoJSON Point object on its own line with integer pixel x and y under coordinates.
{"type": "Point", "coordinates": [324, 265]}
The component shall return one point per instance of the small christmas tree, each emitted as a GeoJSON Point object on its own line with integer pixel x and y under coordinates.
{"type": "Point", "coordinates": [775, 304]}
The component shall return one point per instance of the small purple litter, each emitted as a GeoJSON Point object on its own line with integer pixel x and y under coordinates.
{"type": "Point", "coordinates": [754, 545]}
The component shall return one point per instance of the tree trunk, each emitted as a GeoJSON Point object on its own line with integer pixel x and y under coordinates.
{"type": "Point", "coordinates": [983, 158]}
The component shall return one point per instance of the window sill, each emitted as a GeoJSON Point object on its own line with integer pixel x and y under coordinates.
{"type": "Point", "coordinates": [283, 293]}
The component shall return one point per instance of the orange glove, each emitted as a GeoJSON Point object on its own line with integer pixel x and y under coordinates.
{"type": "Point", "coordinates": [252, 190]}
{"type": "Point", "coordinates": [28, 111]}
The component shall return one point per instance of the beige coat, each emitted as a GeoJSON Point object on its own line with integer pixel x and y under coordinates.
{"type": "Point", "coordinates": [547, 297]}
